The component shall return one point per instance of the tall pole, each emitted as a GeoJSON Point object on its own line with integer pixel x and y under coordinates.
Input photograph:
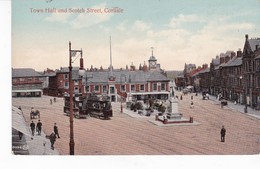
{"type": "Point", "coordinates": [121, 93]}
{"type": "Point", "coordinates": [71, 144]}
{"type": "Point", "coordinates": [110, 55]}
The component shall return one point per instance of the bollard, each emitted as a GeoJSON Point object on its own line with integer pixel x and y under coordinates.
{"type": "Point", "coordinates": [191, 119]}
{"type": "Point", "coordinates": [156, 117]}
{"type": "Point", "coordinates": [165, 121]}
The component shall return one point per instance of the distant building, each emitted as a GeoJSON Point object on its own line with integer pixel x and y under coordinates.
{"type": "Point", "coordinates": [26, 82]}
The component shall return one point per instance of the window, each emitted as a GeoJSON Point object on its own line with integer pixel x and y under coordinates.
{"type": "Point", "coordinates": [112, 90]}
{"type": "Point", "coordinates": [122, 89]}
{"type": "Point", "coordinates": [155, 87]}
{"type": "Point", "coordinates": [104, 89]}
{"type": "Point", "coordinates": [132, 88]}
{"type": "Point", "coordinates": [87, 88]}
{"type": "Point", "coordinates": [141, 87]}
{"type": "Point", "coordinates": [66, 76]}
{"type": "Point", "coordinates": [96, 88]}
{"type": "Point", "coordinates": [257, 66]}
{"type": "Point", "coordinates": [76, 89]}
{"type": "Point", "coordinates": [163, 86]}
{"type": "Point", "coordinates": [257, 81]}
{"type": "Point", "coordinates": [76, 82]}
{"type": "Point", "coordinates": [66, 85]}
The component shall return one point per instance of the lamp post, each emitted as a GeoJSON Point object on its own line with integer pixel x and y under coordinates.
{"type": "Point", "coordinates": [244, 94]}
{"type": "Point", "coordinates": [121, 92]}
{"type": "Point", "coordinates": [71, 54]}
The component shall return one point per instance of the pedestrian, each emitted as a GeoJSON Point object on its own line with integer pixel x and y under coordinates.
{"type": "Point", "coordinates": [50, 101]}
{"type": "Point", "coordinates": [191, 97]}
{"type": "Point", "coordinates": [52, 140]}
{"type": "Point", "coordinates": [191, 105]}
{"type": "Point", "coordinates": [245, 109]}
{"type": "Point", "coordinates": [56, 131]}
{"type": "Point", "coordinates": [39, 127]}
{"type": "Point", "coordinates": [32, 125]}
{"type": "Point", "coordinates": [181, 97]}
{"type": "Point", "coordinates": [223, 133]}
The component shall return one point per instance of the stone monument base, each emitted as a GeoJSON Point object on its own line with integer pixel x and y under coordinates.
{"type": "Point", "coordinates": [176, 118]}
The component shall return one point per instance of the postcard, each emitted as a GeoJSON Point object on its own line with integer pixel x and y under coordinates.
{"type": "Point", "coordinates": [135, 78]}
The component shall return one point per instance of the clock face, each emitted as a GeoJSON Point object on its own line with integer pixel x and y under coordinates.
{"type": "Point", "coordinates": [153, 63]}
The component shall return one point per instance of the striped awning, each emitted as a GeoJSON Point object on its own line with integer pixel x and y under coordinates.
{"type": "Point", "coordinates": [18, 121]}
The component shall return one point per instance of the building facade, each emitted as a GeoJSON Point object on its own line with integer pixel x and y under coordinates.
{"type": "Point", "coordinates": [26, 82]}
{"type": "Point", "coordinates": [236, 76]}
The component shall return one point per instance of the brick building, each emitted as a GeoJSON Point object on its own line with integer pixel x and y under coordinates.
{"type": "Point", "coordinates": [26, 82]}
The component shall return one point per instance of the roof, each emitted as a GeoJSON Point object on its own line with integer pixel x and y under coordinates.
{"type": "Point", "coordinates": [253, 42]}
{"type": "Point", "coordinates": [126, 76]}
{"type": "Point", "coordinates": [24, 72]}
{"type": "Point", "coordinates": [205, 71]}
{"type": "Point", "coordinates": [235, 61]}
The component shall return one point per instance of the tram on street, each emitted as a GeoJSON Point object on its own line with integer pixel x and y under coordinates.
{"type": "Point", "coordinates": [93, 105]}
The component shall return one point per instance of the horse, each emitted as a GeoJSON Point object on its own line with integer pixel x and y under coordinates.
{"type": "Point", "coordinates": [35, 113]}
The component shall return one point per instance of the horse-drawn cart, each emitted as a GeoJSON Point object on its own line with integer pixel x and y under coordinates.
{"type": "Point", "coordinates": [34, 114]}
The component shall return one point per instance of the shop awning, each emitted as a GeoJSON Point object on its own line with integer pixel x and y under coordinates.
{"type": "Point", "coordinates": [18, 121]}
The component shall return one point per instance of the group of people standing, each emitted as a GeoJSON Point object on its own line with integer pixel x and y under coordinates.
{"type": "Point", "coordinates": [38, 128]}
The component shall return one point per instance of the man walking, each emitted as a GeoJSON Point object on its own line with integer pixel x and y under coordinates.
{"type": "Point", "coordinates": [223, 133]}
{"type": "Point", "coordinates": [55, 129]}
{"type": "Point", "coordinates": [52, 140]}
{"type": "Point", "coordinates": [39, 127]}
{"type": "Point", "coordinates": [32, 125]}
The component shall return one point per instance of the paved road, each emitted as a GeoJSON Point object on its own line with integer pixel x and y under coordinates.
{"type": "Point", "coordinates": [127, 135]}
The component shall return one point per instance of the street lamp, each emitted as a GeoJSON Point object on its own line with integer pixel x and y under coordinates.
{"type": "Point", "coordinates": [244, 94]}
{"type": "Point", "coordinates": [71, 54]}
{"type": "Point", "coordinates": [121, 91]}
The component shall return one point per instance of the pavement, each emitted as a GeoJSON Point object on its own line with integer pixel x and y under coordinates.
{"type": "Point", "coordinates": [239, 108]}
{"type": "Point", "coordinates": [40, 145]}
{"type": "Point", "coordinates": [32, 145]}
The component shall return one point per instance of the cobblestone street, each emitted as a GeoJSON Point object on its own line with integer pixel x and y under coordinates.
{"type": "Point", "coordinates": [126, 135]}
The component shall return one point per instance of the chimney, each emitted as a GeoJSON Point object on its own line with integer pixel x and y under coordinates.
{"type": "Point", "coordinates": [132, 67]}
{"type": "Point", "coordinates": [81, 64]}
{"type": "Point", "coordinates": [227, 58]}
{"type": "Point", "coordinates": [246, 36]}
{"type": "Point", "coordinates": [140, 67]}
{"type": "Point", "coordinates": [222, 60]}
{"type": "Point", "coordinates": [205, 66]}
{"type": "Point", "coordinates": [145, 67]}
{"type": "Point", "coordinates": [233, 54]}
{"type": "Point", "coordinates": [91, 68]}
{"type": "Point", "coordinates": [239, 53]}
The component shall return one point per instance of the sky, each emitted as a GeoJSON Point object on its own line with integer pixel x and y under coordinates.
{"type": "Point", "coordinates": [187, 31]}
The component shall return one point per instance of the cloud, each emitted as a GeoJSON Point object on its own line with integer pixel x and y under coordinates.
{"type": "Point", "coordinates": [141, 25]}
{"type": "Point", "coordinates": [177, 21]}
{"type": "Point", "coordinates": [85, 20]}
{"type": "Point", "coordinates": [176, 44]}
{"type": "Point", "coordinates": [122, 26]}
{"type": "Point", "coordinates": [58, 17]}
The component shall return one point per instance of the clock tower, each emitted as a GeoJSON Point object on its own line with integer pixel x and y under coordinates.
{"type": "Point", "coordinates": [152, 62]}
